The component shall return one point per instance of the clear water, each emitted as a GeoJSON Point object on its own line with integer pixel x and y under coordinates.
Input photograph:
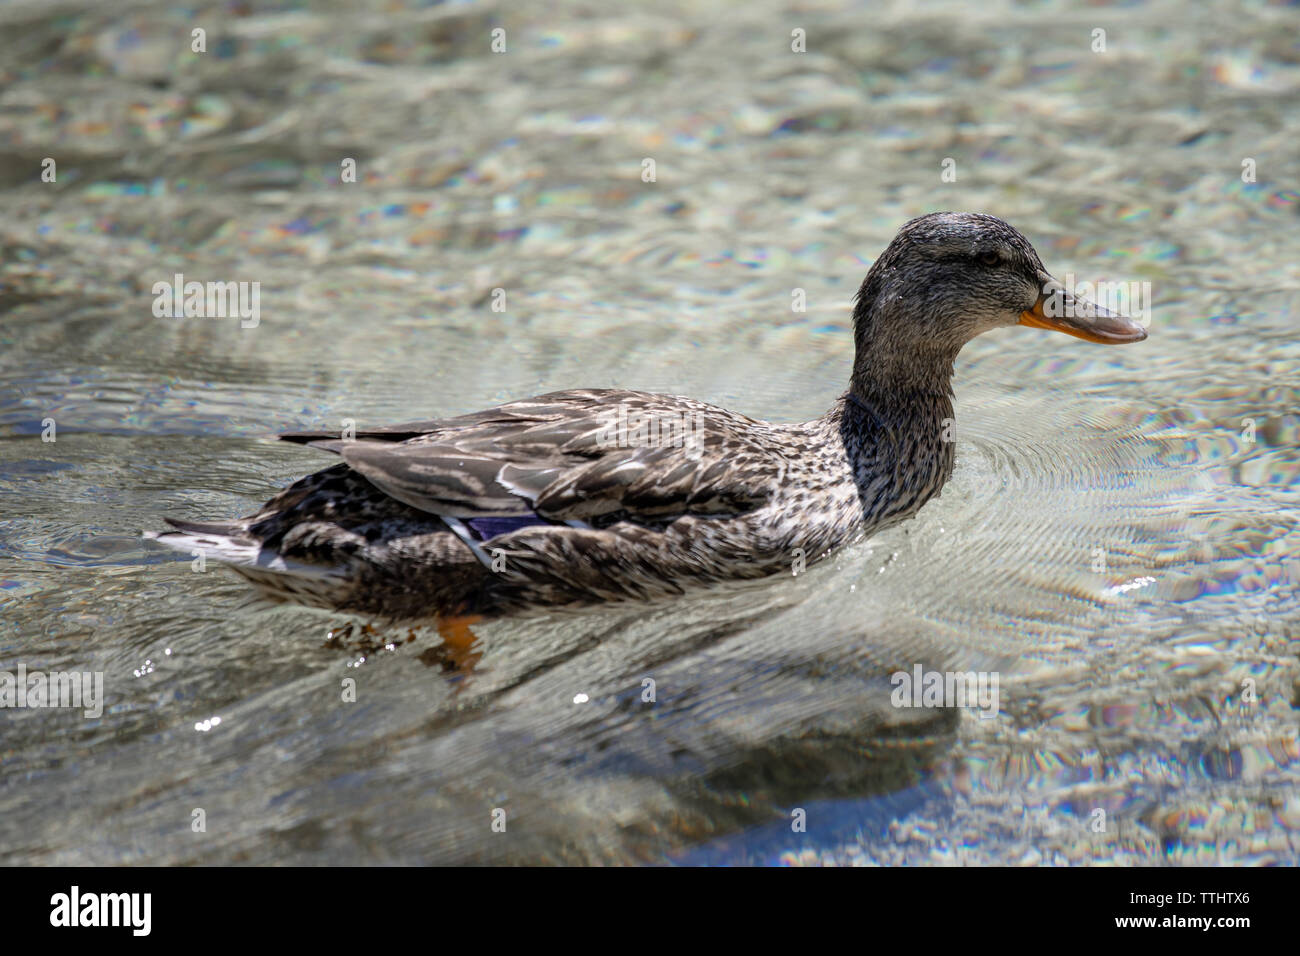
{"type": "Point", "coordinates": [1122, 685]}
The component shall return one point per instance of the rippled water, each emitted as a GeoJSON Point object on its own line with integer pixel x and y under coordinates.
{"type": "Point", "coordinates": [1119, 540]}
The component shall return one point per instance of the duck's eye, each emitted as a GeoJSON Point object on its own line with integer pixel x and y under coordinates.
{"type": "Point", "coordinates": [990, 258]}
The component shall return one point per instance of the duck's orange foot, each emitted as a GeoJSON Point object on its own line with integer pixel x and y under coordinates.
{"type": "Point", "coordinates": [457, 652]}
{"type": "Point", "coordinates": [337, 637]}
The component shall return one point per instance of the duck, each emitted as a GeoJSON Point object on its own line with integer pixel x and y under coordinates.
{"type": "Point", "coordinates": [591, 496]}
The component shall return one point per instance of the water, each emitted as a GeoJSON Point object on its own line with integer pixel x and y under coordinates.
{"type": "Point", "coordinates": [1119, 541]}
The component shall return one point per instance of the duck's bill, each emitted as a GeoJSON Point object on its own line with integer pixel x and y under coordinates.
{"type": "Point", "coordinates": [1062, 311]}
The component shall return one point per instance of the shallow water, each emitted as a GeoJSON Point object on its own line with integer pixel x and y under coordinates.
{"type": "Point", "coordinates": [1119, 541]}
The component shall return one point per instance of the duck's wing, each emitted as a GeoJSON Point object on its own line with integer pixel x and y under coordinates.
{"type": "Point", "coordinates": [570, 456]}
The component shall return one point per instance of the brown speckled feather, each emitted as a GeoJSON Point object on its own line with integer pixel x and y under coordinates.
{"type": "Point", "coordinates": [559, 456]}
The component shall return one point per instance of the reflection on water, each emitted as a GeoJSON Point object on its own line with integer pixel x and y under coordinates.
{"type": "Point", "coordinates": [1119, 541]}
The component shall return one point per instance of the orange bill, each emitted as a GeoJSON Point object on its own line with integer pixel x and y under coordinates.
{"type": "Point", "coordinates": [1062, 311]}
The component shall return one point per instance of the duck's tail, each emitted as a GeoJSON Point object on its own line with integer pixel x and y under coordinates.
{"type": "Point", "coordinates": [278, 578]}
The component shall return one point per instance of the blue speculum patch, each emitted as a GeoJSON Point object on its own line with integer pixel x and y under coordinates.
{"type": "Point", "coordinates": [486, 528]}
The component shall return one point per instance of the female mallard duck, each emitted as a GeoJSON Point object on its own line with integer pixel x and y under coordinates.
{"type": "Point", "coordinates": [580, 497]}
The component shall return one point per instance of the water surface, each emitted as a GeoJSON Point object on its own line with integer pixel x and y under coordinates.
{"type": "Point", "coordinates": [1119, 541]}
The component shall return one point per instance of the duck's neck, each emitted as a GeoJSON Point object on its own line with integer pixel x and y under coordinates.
{"type": "Point", "coordinates": [910, 389]}
{"type": "Point", "coordinates": [896, 425]}
{"type": "Point", "coordinates": [900, 359]}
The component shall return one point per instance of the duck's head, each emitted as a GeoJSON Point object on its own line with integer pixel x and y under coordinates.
{"type": "Point", "coordinates": [946, 278]}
